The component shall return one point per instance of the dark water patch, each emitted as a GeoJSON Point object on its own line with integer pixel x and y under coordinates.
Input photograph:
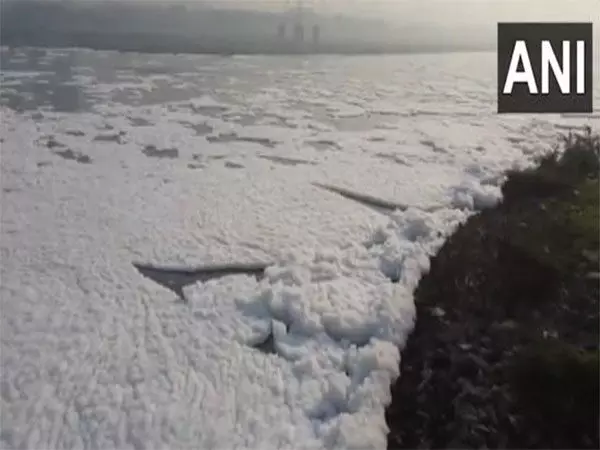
{"type": "Point", "coordinates": [232, 137]}
{"type": "Point", "coordinates": [112, 137]}
{"type": "Point", "coordinates": [222, 138]}
{"type": "Point", "coordinates": [422, 112]}
{"type": "Point", "coordinates": [376, 139]}
{"type": "Point", "coordinates": [68, 98]}
{"type": "Point", "coordinates": [214, 157]}
{"type": "Point", "coordinates": [139, 122]}
{"type": "Point", "coordinates": [265, 142]}
{"type": "Point", "coordinates": [33, 93]}
{"type": "Point", "coordinates": [515, 139]}
{"type": "Point", "coordinates": [201, 129]}
{"type": "Point", "coordinates": [155, 70]}
{"type": "Point", "coordinates": [50, 142]}
{"type": "Point", "coordinates": [74, 156]}
{"type": "Point", "coordinates": [385, 126]}
{"type": "Point", "coordinates": [128, 96]}
{"type": "Point", "coordinates": [196, 166]}
{"type": "Point", "coordinates": [37, 116]}
{"type": "Point", "coordinates": [162, 92]}
{"type": "Point", "coordinates": [233, 165]}
{"type": "Point", "coordinates": [324, 145]}
{"type": "Point", "coordinates": [44, 163]}
{"type": "Point", "coordinates": [77, 133]}
{"type": "Point", "coordinates": [275, 119]}
{"type": "Point", "coordinates": [153, 152]}
{"type": "Point", "coordinates": [35, 53]}
{"type": "Point", "coordinates": [378, 204]}
{"type": "Point", "coordinates": [241, 119]}
{"type": "Point", "coordinates": [570, 127]}
{"type": "Point", "coordinates": [267, 346]}
{"type": "Point", "coordinates": [286, 161]}
{"type": "Point", "coordinates": [391, 157]}
{"type": "Point", "coordinates": [386, 113]}
{"type": "Point", "coordinates": [364, 122]}
{"type": "Point", "coordinates": [213, 111]}
{"type": "Point", "coordinates": [175, 279]}
{"type": "Point", "coordinates": [433, 146]}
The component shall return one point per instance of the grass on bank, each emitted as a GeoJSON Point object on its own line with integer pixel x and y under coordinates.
{"type": "Point", "coordinates": [513, 361]}
{"type": "Point", "coordinates": [561, 228]}
{"type": "Point", "coordinates": [556, 382]}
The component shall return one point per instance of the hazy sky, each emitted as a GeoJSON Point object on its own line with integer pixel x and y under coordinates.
{"type": "Point", "coordinates": [446, 12]}
{"type": "Point", "coordinates": [474, 11]}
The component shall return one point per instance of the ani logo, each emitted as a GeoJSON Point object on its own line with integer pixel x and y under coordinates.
{"type": "Point", "coordinates": [545, 68]}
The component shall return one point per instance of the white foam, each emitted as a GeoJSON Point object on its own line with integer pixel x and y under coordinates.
{"type": "Point", "coordinates": [95, 355]}
{"type": "Point", "coordinates": [25, 73]}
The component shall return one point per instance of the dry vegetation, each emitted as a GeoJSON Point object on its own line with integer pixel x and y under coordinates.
{"type": "Point", "coordinates": [505, 349]}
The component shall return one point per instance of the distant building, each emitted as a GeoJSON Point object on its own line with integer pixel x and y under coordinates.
{"type": "Point", "coordinates": [316, 34]}
{"type": "Point", "coordinates": [281, 31]}
{"type": "Point", "coordinates": [299, 33]}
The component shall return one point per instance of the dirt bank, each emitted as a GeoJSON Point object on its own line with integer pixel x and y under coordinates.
{"type": "Point", "coordinates": [505, 349]}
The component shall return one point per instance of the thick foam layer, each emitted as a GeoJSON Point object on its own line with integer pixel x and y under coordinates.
{"type": "Point", "coordinates": [95, 354]}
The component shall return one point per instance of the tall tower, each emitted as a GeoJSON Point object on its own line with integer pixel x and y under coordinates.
{"type": "Point", "coordinates": [281, 31]}
{"type": "Point", "coordinates": [299, 22]}
{"type": "Point", "coordinates": [316, 34]}
{"type": "Point", "coordinates": [298, 33]}
{"type": "Point", "coordinates": [302, 19]}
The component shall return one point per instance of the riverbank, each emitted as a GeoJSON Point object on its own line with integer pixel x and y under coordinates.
{"type": "Point", "coordinates": [154, 43]}
{"type": "Point", "coordinates": [505, 349]}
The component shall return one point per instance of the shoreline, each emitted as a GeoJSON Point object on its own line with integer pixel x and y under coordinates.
{"type": "Point", "coordinates": [504, 353]}
{"type": "Point", "coordinates": [176, 46]}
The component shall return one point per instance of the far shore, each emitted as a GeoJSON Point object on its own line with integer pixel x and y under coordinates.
{"type": "Point", "coordinates": [149, 43]}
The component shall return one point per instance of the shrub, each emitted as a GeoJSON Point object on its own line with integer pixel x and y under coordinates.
{"type": "Point", "coordinates": [558, 385]}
